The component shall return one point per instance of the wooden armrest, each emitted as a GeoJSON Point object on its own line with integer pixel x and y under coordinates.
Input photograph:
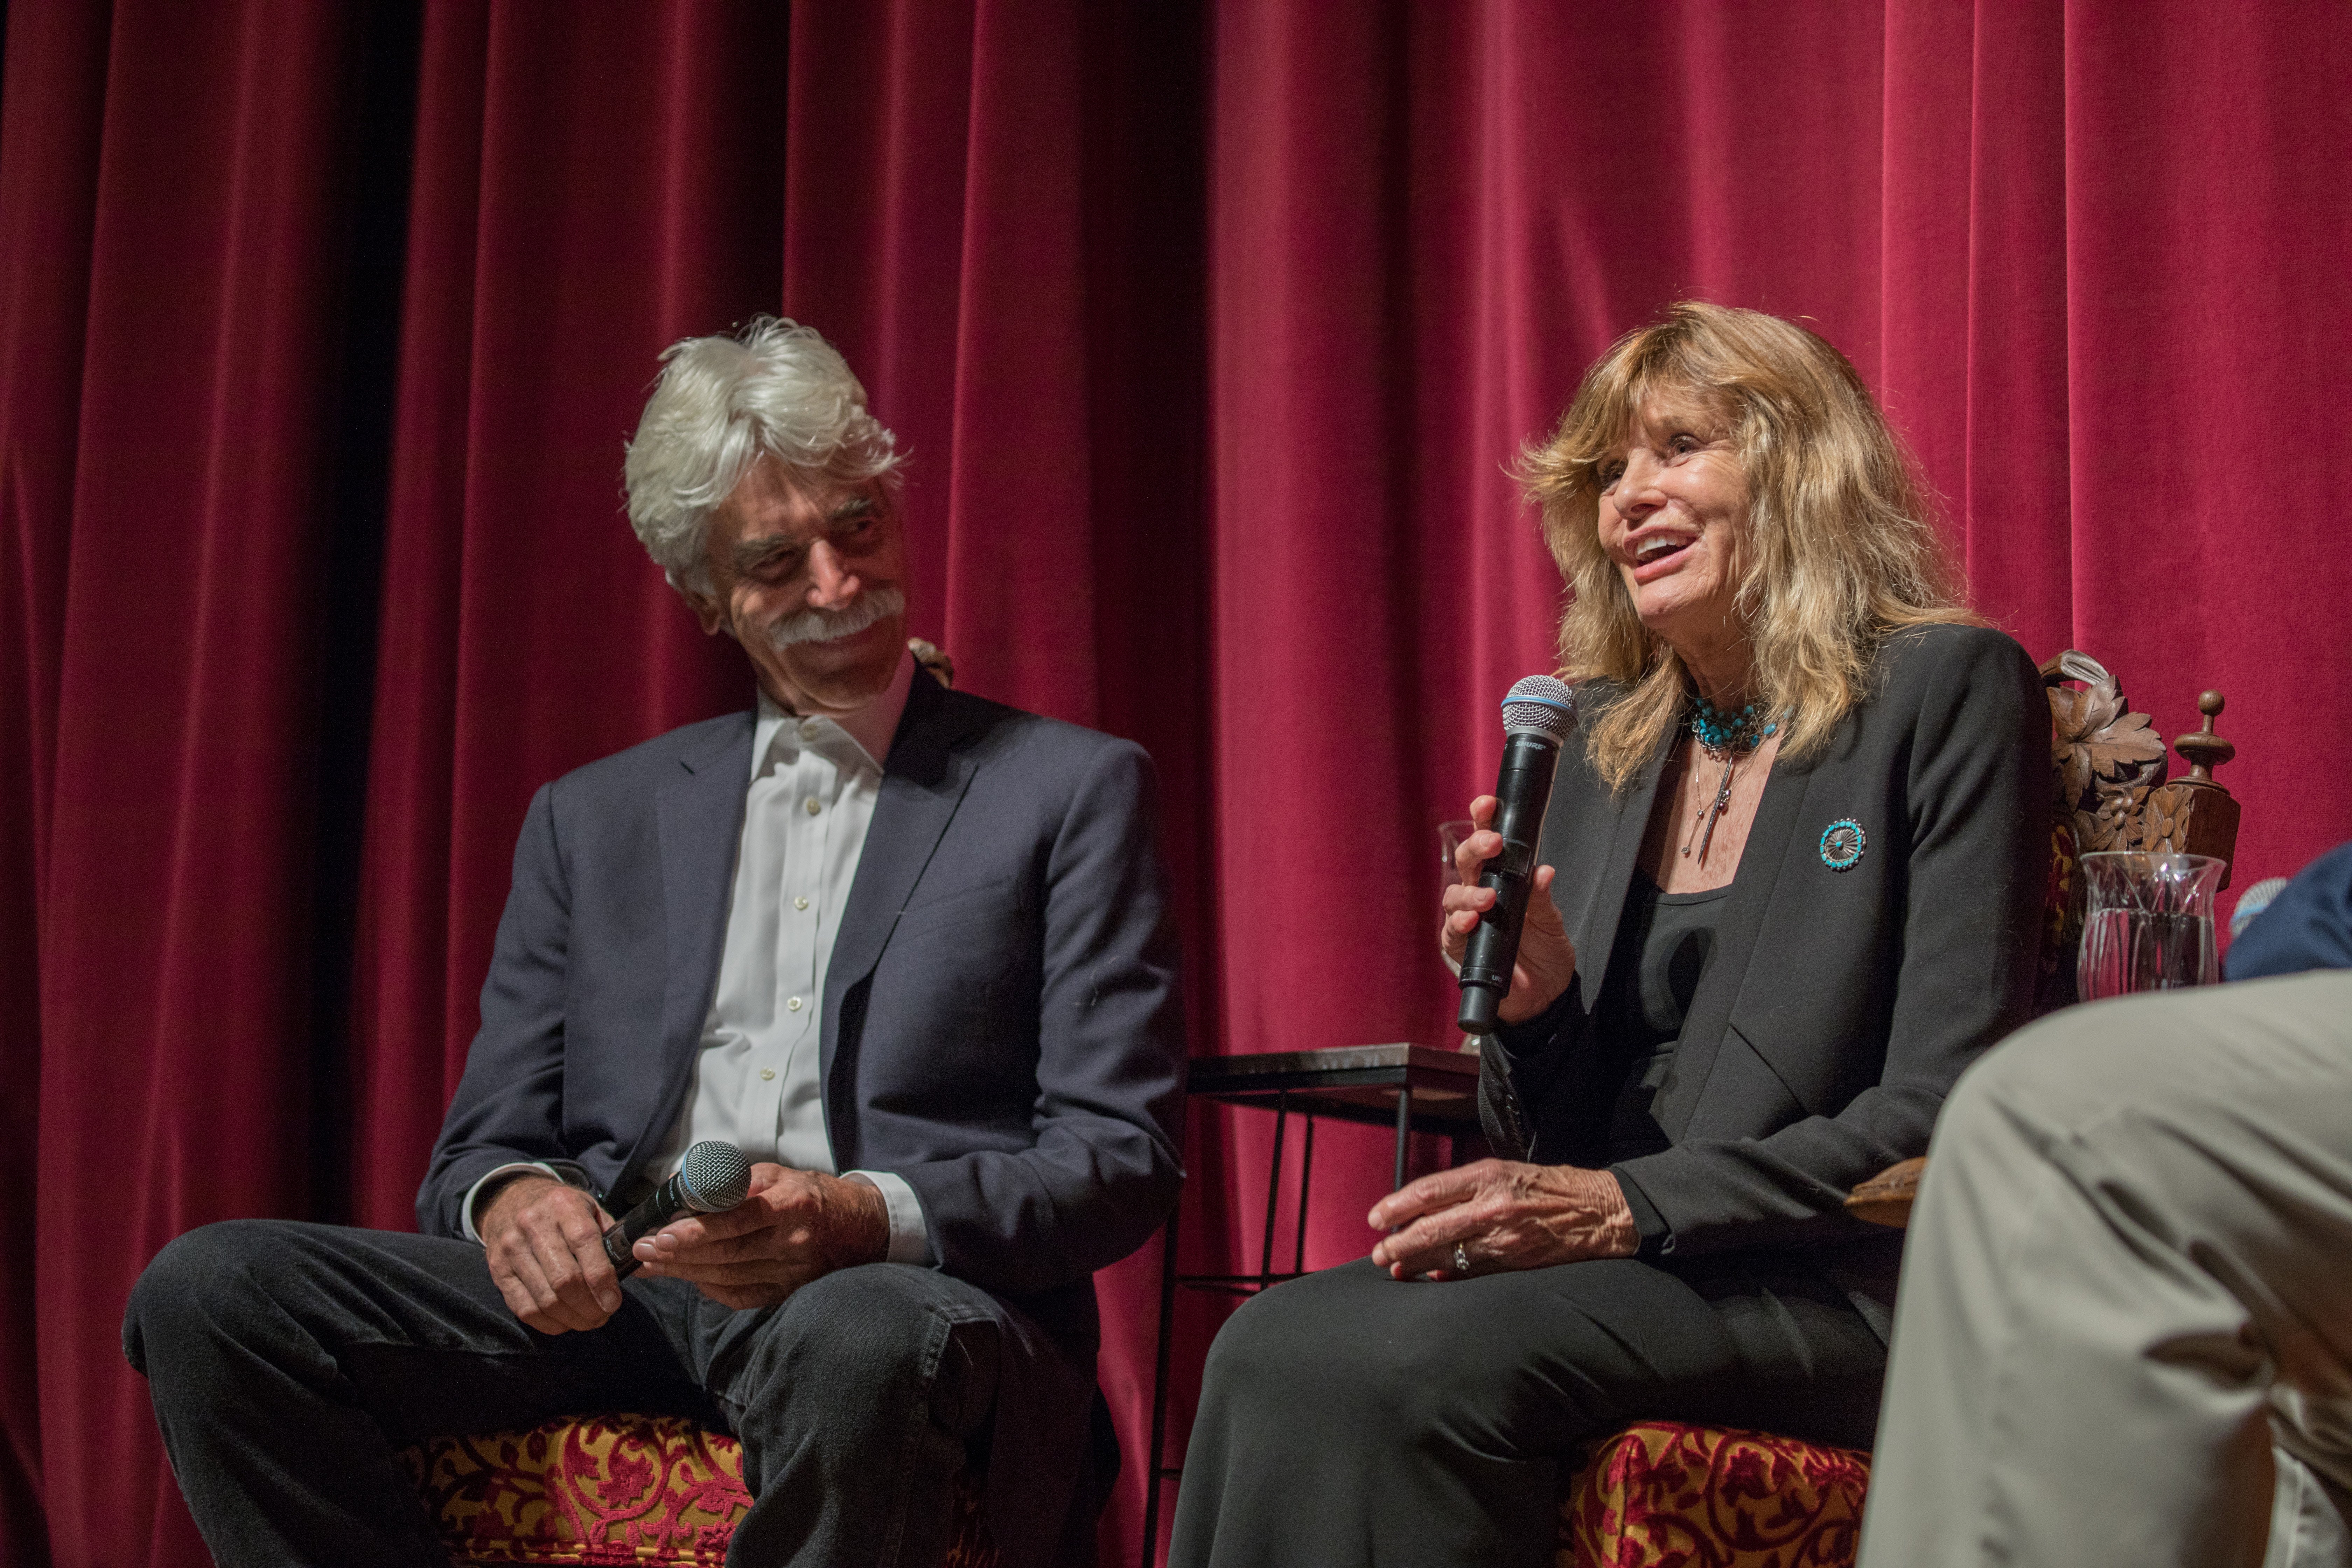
{"type": "Point", "coordinates": [1885, 1198]}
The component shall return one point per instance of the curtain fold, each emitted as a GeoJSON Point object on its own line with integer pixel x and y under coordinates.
{"type": "Point", "coordinates": [1211, 332]}
{"type": "Point", "coordinates": [176, 910]}
{"type": "Point", "coordinates": [52, 101]}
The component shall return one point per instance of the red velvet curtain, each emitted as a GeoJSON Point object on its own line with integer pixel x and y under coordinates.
{"type": "Point", "coordinates": [1210, 334]}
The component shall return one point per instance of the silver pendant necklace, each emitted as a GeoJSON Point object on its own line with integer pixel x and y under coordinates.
{"type": "Point", "coordinates": [1712, 811]}
{"type": "Point", "coordinates": [1726, 738]}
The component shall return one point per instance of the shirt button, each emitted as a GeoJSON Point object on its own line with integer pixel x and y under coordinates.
{"type": "Point", "coordinates": [792, 1004]}
{"type": "Point", "coordinates": [800, 903]}
{"type": "Point", "coordinates": [767, 1073]}
{"type": "Point", "coordinates": [814, 808]}
{"type": "Point", "coordinates": [808, 728]}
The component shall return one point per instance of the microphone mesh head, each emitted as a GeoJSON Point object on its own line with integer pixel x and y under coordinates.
{"type": "Point", "coordinates": [1539, 705]}
{"type": "Point", "coordinates": [715, 1176]}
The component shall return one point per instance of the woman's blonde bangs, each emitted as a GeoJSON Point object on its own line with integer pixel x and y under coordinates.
{"type": "Point", "coordinates": [1842, 545]}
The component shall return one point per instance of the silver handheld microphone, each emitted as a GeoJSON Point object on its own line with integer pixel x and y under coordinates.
{"type": "Point", "coordinates": [714, 1176]}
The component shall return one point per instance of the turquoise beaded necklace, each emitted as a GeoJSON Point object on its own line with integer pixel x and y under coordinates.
{"type": "Point", "coordinates": [1725, 738]}
{"type": "Point", "coordinates": [1720, 731]}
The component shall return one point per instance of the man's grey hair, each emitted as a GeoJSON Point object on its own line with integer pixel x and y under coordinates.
{"type": "Point", "coordinates": [773, 389]}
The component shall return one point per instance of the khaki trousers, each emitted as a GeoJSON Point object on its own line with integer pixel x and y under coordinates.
{"type": "Point", "coordinates": [2124, 1329]}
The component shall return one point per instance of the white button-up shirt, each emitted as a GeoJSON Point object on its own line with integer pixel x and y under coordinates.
{"type": "Point", "coordinates": [756, 1082]}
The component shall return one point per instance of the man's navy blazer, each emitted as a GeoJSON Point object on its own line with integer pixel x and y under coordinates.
{"type": "Point", "coordinates": [1002, 1022]}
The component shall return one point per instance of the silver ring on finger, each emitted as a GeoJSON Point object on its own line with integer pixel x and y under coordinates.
{"type": "Point", "coordinates": [1461, 1259]}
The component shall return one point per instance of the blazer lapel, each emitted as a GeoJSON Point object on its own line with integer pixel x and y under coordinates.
{"type": "Point", "coordinates": [1777, 818]}
{"type": "Point", "coordinates": [923, 782]}
{"type": "Point", "coordinates": [1594, 929]}
{"type": "Point", "coordinates": [699, 815]}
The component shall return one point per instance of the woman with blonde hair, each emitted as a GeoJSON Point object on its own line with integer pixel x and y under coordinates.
{"type": "Point", "coordinates": [1793, 865]}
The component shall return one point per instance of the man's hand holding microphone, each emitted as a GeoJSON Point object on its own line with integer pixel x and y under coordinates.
{"type": "Point", "coordinates": [744, 1235]}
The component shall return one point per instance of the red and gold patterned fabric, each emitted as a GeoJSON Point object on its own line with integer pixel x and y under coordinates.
{"type": "Point", "coordinates": [611, 1490]}
{"type": "Point", "coordinates": [1663, 1495]}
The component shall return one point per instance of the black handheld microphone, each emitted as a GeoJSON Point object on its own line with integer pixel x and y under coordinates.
{"type": "Point", "coordinates": [1536, 719]}
{"type": "Point", "coordinates": [713, 1176]}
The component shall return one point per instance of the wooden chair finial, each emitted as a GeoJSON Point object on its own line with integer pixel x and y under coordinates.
{"type": "Point", "coordinates": [2204, 749]}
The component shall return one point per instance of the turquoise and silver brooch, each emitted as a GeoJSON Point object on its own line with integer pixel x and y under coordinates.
{"type": "Point", "coordinates": [1843, 842]}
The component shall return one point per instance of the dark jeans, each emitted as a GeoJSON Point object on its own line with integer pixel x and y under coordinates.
{"type": "Point", "coordinates": [285, 1360]}
{"type": "Point", "coordinates": [1348, 1418]}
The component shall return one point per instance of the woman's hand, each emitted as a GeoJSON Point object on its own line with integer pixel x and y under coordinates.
{"type": "Point", "coordinates": [1503, 1215]}
{"type": "Point", "coordinates": [1547, 960]}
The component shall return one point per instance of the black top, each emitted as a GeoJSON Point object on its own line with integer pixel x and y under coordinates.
{"type": "Point", "coordinates": [1664, 944]}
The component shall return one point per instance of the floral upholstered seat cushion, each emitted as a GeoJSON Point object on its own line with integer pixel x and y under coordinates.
{"type": "Point", "coordinates": [1663, 1495]}
{"type": "Point", "coordinates": [611, 1490]}
{"type": "Point", "coordinates": [647, 1490]}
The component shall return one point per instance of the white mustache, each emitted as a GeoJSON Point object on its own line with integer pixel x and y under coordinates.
{"type": "Point", "coordinates": [813, 625]}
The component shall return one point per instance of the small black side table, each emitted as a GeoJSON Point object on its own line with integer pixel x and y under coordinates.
{"type": "Point", "coordinates": [1413, 1088]}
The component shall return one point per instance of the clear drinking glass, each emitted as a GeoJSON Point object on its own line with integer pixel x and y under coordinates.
{"type": "Point", "coordinates": [2147, 922]}
{"type": "Point", "coordinates": [1450, 836]}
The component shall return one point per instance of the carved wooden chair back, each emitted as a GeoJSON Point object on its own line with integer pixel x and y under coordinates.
{"type": "Point", "coordinates": [2107, 765]}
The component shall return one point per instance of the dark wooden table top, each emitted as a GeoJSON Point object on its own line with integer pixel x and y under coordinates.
{"type": "Point", "coordinates": [1358, 1083]}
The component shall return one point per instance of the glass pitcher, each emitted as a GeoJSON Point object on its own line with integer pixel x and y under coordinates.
{"type": "Point", "coordinates": [2147, 922]}
{"type": "Point", "coordinates": [1450, 836]}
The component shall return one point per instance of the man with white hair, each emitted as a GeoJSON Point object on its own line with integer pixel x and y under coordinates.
{"type": "Point", "coordinates": [909, 949]}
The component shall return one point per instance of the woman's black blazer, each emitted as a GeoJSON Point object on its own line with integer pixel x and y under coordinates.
{"type": "Point", "coordinates": [1839, 1005]}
